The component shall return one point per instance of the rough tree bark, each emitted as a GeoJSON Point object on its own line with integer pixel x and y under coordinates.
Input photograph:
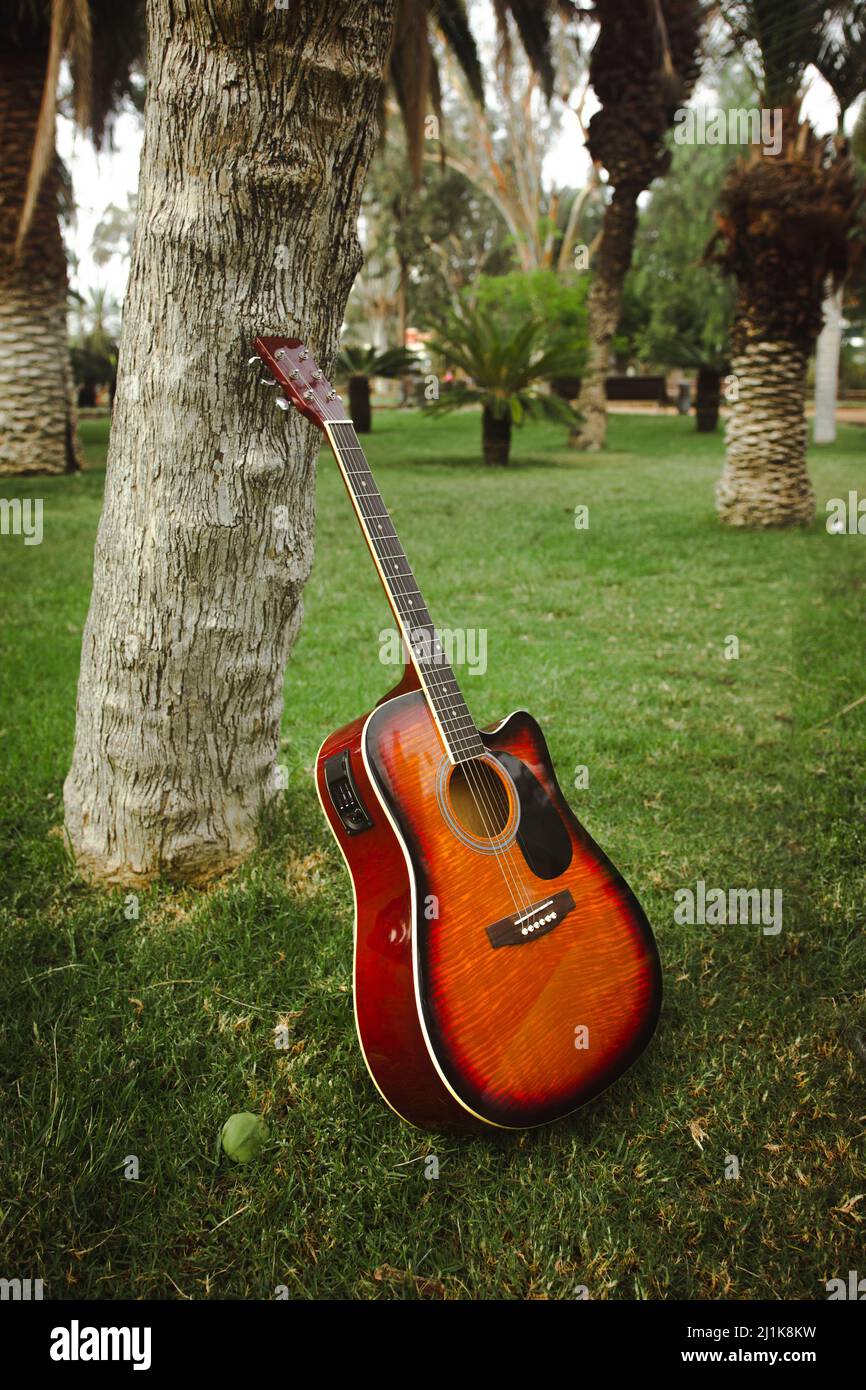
{"type": "Point", "coordinates": [37, 412]}
{"type": "Point", "coordinates": [259, 126]}
{"type": "Point", "coordinates": [765, 481]}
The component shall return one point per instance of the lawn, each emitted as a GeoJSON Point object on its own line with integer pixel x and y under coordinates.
{"type": "Point", "coordinates": [127, 1035]}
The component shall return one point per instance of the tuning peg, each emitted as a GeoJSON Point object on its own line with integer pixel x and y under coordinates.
{"type": "Point", "coordinates": [283, 403]}
{"type": "Point", "coordinates": [254, 359]}
{"type": "Point", "coordinates": [267, 381]}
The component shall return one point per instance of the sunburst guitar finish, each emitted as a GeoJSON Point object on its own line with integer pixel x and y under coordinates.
{"type": "Point", "coordinates": [457, 1032]}
{"type": "Point", "coordinates": [504, 972]}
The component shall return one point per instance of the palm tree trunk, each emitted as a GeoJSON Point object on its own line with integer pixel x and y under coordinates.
{"type": "Point", "coordinates": [205, 541]}
{"type": "Point", "coordinates": [765, 482]}
{"type": "Point", "coordinates": [707, 399]}
{"type": "Point", "coordinates": [37, 410]}
{"type": "Point", "coordinates": [603, 309]}
{"type": "Point", "coordinates": [495, 437]}
{"type": "Point", "coordinates": [827, 368]}
{"type": "Point", "coordinates": [359, 403]}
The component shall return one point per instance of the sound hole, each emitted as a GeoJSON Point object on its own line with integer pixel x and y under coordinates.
{"type": "Point", "coordinates": [479, 800]}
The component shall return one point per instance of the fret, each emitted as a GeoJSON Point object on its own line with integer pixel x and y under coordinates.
{"type": "Point", "coordinates": [461, 737]}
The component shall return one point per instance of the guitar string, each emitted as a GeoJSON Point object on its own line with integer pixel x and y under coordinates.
{"type": "Point", "coordinates": [478, 792]}
{"type": "Point", "coordinates": [476, 787]}
{"type": "Point", "coordinates": [474, 778]}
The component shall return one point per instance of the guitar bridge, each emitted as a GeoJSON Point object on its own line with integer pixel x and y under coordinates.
{"type": "Point", "coordinates": [525, 926]}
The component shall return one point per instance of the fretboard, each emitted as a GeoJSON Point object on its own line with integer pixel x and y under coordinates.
{"type": "Point", "coordinates": [456, 726]}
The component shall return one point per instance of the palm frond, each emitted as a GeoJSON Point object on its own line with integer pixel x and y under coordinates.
{"type": "Point", "coordinates": [118, 53]}
{"type": "Point", "coordinates": [103, 41]}
{"type": "Point", "coordinates": [70, 20]}
{"type": "Point", "coordinates": [453, 21]}
{"type": "Point", "coordinates": [787, 36]}
{"type": "Point", "coordinates": [409, 72]}
{"type": "Point", "coordinates": [841, 60]}
{"type": "Point", "coordinates": [356, 360]}
{"type": "Point", "coordinates": [508, 364]}
{"type": "Point", "coordinates": [532, 20]}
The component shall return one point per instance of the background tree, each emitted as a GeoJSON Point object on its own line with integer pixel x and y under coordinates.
{"type": "Point", "coordinates": [359, 365]}
{"type": "Point", "coordinates": [94, 343]}
{"type": "Point", "coordinates": [558, 301]}
{"type": "Point", "coordinates": [643, 66]}
{"type": "Point", "coordinates": [248, 199]}
{"type": "Point", "coordinates": [687, 306]}
{"type": "Point", "coordinates": [785, 224]}
{"type": "Point", "coordinates": [464, 195]}
{"type": "Point", "coordinates": [841, 61]}
{"type": "Point", "coordinates": [501, 149]}
{"type": "Point", "coordinates": [112, 235]}
{"type": "Point", "coordinates": [413, 69]}
{"type": "Point", "coordinates": [102, 41]}
{"type": "Point", "coordinates": [507, 366]}
{"type": "Point", "coordinates": [447, 233]}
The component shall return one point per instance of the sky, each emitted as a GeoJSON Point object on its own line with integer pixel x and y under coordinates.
{"type": "Point", "coordinates": [100, 179]}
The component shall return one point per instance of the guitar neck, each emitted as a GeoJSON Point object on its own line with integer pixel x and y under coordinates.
{"type": "Point", "coordinates": [456, 727]}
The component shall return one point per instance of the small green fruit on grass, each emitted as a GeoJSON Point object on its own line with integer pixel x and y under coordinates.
{"type": "Point", "coordinates": [243, 1136]}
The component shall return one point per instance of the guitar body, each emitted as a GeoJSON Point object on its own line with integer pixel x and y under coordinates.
{"type": "Point", "coordinates": [461, 1029]}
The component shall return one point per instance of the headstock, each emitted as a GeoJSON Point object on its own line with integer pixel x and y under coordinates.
{"type": "Point", "coordinates": [301, 382]}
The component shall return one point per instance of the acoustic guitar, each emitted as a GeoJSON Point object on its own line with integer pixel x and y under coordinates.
{"type": "Point", "coordinates": [504, 972]}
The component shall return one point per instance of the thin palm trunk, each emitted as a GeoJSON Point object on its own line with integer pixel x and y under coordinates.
{"type": "Point", "coordinates": [827, 352]}
{"type": "Point", "coordinates": [644, 64]}
{"type": "Point", "coordinates": [495, 437]}
{"type": "Point", "coordinates": [205, 541]}
{"type": "Point", "coordinates": [359, 403]}
{"type": "Point", "coordinates": [603, 310]}
{"type": "Point", "coordinates": [707, 399]}
{"type": "Point", "coordinates": [37, 412]}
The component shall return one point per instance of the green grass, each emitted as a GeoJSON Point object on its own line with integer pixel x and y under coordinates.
{"type": "Point", "coordinates": [140, 1036]}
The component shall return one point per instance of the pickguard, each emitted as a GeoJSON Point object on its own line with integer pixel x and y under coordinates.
{"type": "Point", "coordinates": [541, 836]}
